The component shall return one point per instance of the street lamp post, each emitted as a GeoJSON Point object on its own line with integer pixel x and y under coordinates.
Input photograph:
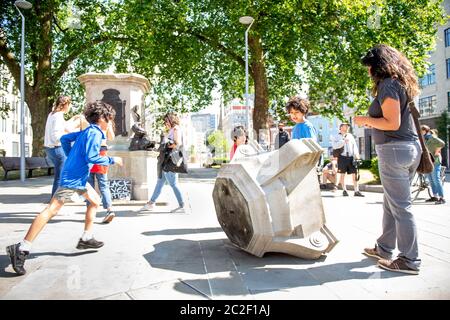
{"type": "Point", "coordinates": [22, 4]}
{"type": "Point", "coordinates": [247, 20]}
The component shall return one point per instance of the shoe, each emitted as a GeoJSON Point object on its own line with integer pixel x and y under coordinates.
{"type": "Point", "coordinates": [345, 193]}
{"type": "Point", "coordinates": [17, 258]}
{"type": "Point", "coordinates": [397, 265]}
{"type": "Point", "coordinates": [432, 199]}
{"type": "Point", "coordinates": [440, 201]}
{"type": "Point", "coordinates": [148, 207]}
{"type": "Point", "coordinates": [372, 252]}
{"type": "Point", "coordinates": [89, 244]}
{"type": "Point", "coordinates": [323, 186]}
{"type": "Point", "coordinates": [358, 194]}
{"type": "Point", "coordinates": [178, 210]}
{"type": "Point", "coordinates": [109, 217]}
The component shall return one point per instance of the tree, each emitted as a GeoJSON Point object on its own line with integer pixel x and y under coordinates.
{"type": "Point", "coordinates": [198, 45]}
{"type": "Point", "coordinates": [63, 40]}
{"type": "Point", "coordinates": [220, 144]}
{"type": "Point", "coordinates": [186, 48]}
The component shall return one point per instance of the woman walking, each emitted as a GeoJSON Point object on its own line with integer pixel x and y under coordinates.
{"type": "Point", "coordinates": [172, 140]}
{"type": "Point", "coordinates": [55, 127]}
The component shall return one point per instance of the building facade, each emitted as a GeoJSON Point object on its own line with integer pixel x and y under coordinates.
{"type": "Point", "coordinates": [10, 125]}
{"type": "Point", "coordinates": [235, 114]}
{"type": "Point", "coordinates": [434, 99]}
{"type": "Point", "coordinates": [204, 122]}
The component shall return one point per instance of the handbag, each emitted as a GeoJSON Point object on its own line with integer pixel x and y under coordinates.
{"type": "Point", "coordinates": [176, 156]}
{"type": "Point", "coordinates": [174, 161]}
{"type": "Point", "coordinates": [426, 164]}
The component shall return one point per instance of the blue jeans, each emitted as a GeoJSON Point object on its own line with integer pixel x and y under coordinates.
{"type": "Point", "coordinates": [171, 178]}
{"type": "Point", "coordinates": [58, 157]}
{"type": "Point", "coordinates": [397, 163]}
{"type": "Point", "coordinates": [103, 185]}
{"type": "Point", "coordinates": [435, 181]}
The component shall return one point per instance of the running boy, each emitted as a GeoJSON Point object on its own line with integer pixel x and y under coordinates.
{"type": "Point", "coordinates": [80, 158]}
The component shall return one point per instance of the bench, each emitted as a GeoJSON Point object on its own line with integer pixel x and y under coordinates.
{"type": "Point", "coordinates": [31, 163]}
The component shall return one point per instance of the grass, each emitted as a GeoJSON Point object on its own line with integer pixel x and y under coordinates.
{"type": "Point", "coordinates": [15, 175]}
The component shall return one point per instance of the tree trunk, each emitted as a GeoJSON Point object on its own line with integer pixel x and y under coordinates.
{"type": "Point", "coordinates": [258, 73]}
{"type": "Point", "coordinates": [39, 106]}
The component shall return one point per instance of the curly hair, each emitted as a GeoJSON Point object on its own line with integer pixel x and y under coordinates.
{"type": "Point", "coordinates": [298, 104]}
{"type": "Point", "coordinates": [61, 103]}
{"type": "Point", "coordinates": [99, 109]}
{"type": "Point", "coordinates": [387, 62]}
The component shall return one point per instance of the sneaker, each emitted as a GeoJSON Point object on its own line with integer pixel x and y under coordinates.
{"type": "Point", "coordinates": [178, 210]}
{"type": "Point", "coordinates": [109, 217]}
{"type": "Point", "coordinates": [432, 199]}
{"type": "Point", "coordinates": [89, 244]}
{"type": "Point", "coordinates": [372, 252]}
{"type": "Point", "coordinates": [17, 258]}
{"type": "Point", "coordinates": [397, 265]}
{"type": "Point", "coordinates": [345, 193]}
{"type": "Point", "coordinates": [148, 207]}
{"type": "Point", "coordinates": [358, 194]}
{"type": "Point", "coordinates": [440, 201]}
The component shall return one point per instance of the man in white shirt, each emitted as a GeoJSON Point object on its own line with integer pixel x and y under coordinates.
{"type": "Point", "coordinates": [346, 158]}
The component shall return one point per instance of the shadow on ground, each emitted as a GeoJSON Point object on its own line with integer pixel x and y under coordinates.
{"type": "Point", "coordinates": [24, 198]}
{"type": "Point", "coordinates": [5, 261]}
{"type": "Point", "coordinates": [196, 257]}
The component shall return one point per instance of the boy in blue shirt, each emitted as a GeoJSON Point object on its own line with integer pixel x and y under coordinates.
{"type": "Point", "coordinates": [84, 153]}
{"type": "Point", "coordinates": [298, 109]}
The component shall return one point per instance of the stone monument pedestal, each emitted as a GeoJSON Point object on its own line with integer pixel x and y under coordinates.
{"type": "Point", "coordinates": [271, 201]}
{"type": "Point", "coordinates": [125, 93]}
{"type": "Point", "coordinates": [139, 167]}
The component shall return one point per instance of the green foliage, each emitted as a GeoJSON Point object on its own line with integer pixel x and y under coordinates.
{"type": "Point", "coordinates": [442, 126]}
{"type": "Point", "coordinates": [186, 48]}
{"type": "Point", "coordinates": [366, 164]}
{"type": "Point", "coordinates": [218, 161]}
{"type": "Point", "coordinates": [219, 142]}
{"type": "Point", "coordinates": [197, 45]}
{"type": "Point", "coordinates": [374, 168]}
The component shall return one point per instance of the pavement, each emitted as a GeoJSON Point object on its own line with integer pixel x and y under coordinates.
{"type": "Point", "coordinates": [186, 256]}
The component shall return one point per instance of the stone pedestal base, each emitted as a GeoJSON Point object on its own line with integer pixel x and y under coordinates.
{"type": "Point", "coordinates": [271, 201]}
{"type": "Point", "coordinates": [139, 167]}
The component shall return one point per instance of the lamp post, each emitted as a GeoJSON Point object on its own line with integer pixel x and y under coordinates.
{"type": "Point", "coordinates": [22, 4]}
{"type": "Point", "coordinates": [247, 20]}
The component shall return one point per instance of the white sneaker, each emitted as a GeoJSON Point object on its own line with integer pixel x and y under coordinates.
{"type": "Point", "coordinates": [148, 207]}
{"type": "Point", "coordinates": [178, 210]}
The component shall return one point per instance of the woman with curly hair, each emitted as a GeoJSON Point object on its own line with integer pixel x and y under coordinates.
{"type": "Point", "coordinates": [398, 150]}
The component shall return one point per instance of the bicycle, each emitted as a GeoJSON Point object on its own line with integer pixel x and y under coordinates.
{"type": "Point", "coordinates": [420, 183]}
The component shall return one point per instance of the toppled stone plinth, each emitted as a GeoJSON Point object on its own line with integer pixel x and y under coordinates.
{"type": "Point", "coordinates": [271, 202]}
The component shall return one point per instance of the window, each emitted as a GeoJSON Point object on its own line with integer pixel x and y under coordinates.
{"type": "Point", "coordinates": [429, 78]}
{"type": "Point", "coordinates": [15, 149]}
{"type": "Point", "coordinates": [27, 150]}
{"type": "Point", "coordinates": [448, 68]}
{"type": "Point", "coordinates": [3, 125]}
{"type": "Point", "coordinates": [427, 105]}
{"type": "Point", "coordinates": [447, 37]}
{"type": "Point", "coordinates": [448, 101]}
{"type": "Point", "coordinates": [361, 145]}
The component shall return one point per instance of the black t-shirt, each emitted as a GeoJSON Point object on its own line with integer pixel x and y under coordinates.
{"type": "Point", "coordinates": [391, 88]}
